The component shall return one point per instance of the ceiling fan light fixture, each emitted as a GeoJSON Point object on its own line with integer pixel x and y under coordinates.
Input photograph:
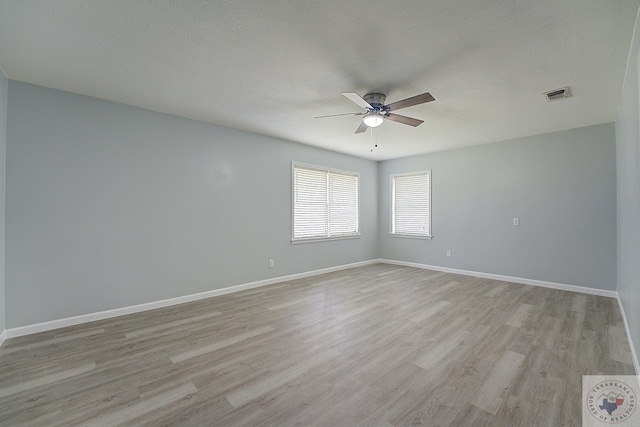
{"type": "Point", "coordinates": [373, 120]}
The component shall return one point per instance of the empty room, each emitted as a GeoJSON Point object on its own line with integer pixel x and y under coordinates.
{"type": "Point", "coordinates": [337, 213]}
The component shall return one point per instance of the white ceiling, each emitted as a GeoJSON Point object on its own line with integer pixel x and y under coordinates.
{"type": "Point", "coordinates": [271, 66]}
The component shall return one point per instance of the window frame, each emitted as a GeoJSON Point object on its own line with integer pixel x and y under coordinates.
{"type": "Point", "coordinates": [392, 227]}
{"type": "Point", "coordinates": [328, 170]}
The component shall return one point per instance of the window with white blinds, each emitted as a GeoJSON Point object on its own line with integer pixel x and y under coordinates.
{"type": "Point", "coordinates": [411, 204]}
{"type": "Point", "coordinates": [325, 203]}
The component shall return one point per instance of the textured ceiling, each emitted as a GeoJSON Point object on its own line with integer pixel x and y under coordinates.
{"type": "Point", "coordinates": [271, 66]}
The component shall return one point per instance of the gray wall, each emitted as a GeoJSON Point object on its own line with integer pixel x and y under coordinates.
{"type": "Point", "coordinates": [561, 185]}
{"type": "Point", "coordinates": [110, 205]}
{"type": "Point", "coordinates": [3, 148]}
{"type": "Point", "coordinates": [628, 185]}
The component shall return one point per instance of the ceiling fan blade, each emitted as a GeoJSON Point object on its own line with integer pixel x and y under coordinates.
{"type": "Point", "coordinates": [337, 115]}
{"type": "Point", "coordinates": [403, 119]}
{"type": "Point", "coordinates": [414, 100]}
{"type": "Point", "coordinates": [362, 128]}
{"type": "Point", "coordinates": [357, 99]}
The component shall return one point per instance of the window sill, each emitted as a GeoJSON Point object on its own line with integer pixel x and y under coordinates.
{"type": "Point", "coordinates": [411, 236]}
{"type": "Point", "coordinates": [324, 239]}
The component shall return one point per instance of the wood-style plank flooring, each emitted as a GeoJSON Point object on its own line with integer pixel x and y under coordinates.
{"type": "Point", "coordinates": [379, 345]}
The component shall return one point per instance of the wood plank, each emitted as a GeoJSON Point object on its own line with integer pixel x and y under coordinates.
{"type": "Point", "coordinates": [180, 357]}
{"type": "Point", "coordinates": [427, 312]}
{"type": "Point", "coordinates": [491, 394]}
{"type": "Point", "coordinates": [446, 287]}
{"type": "Point", "coordinates": [46, 380]}
{"type": "Point", "coordinates": [169, 325]}
{"type": "Point", "coordinates": [54, 340]}
{"type": "Point", "coordinates": [245, 395]}
{"type": "Point", "coordinates": [151, 404]}
{"type": "Point", "coordinates": [519, 316]}
{"type": "Point", "coordinates": [618, 350]}
{"type": "Point", "coordinates": [442, 350]}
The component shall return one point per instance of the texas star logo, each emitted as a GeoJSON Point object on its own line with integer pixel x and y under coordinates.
{"type": "Point", "coordinates": [611, 402]}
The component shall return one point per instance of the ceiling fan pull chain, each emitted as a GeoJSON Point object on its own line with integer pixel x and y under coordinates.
{"type": "Point", "coordinates": [374, 139]}
{"type": "Point", "coordinates": [372, 131]}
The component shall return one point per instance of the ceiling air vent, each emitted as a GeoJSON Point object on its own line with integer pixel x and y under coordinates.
{"type": "Point", "coordinates": [557, 94]}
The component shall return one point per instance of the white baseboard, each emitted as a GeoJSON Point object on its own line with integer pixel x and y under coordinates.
{"type": "Point", "coordinates": [107, 314]}
{"type": "Point", "coordinates": [634, 355]}
{"type": "Point", "coordinates": [541, 283]}
{"type": "Point", "coordinates": [3, 336]}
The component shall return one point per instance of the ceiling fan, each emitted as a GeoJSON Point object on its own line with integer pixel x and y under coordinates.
{"type": "Point", "coordinates": [376, 112]}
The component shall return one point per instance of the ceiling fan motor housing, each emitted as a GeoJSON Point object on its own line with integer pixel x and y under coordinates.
{"type": "Point", "coordinates": [376, 100]}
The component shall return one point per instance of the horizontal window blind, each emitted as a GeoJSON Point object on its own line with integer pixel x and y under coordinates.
{"type": "Point", "coordinates": [411, 205]}
{"type": "Point", "coordinates": [325, 203]}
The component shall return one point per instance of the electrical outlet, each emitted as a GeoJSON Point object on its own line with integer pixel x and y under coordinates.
{"type": "Point", "coordinates": [448, 254]}
{"type": "Point", "coordinates": [271, 263]}
{"type": "Point", "coordinates": [516, 221]}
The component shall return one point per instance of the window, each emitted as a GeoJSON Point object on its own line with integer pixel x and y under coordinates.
{"type": "Point", "coordinates": [411, 204]}
{"type": "Point", "coordinates": [325, 203]}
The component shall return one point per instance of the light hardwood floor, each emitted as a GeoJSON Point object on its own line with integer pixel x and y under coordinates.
{"type": "Point", "coordinates": [379, 345]}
